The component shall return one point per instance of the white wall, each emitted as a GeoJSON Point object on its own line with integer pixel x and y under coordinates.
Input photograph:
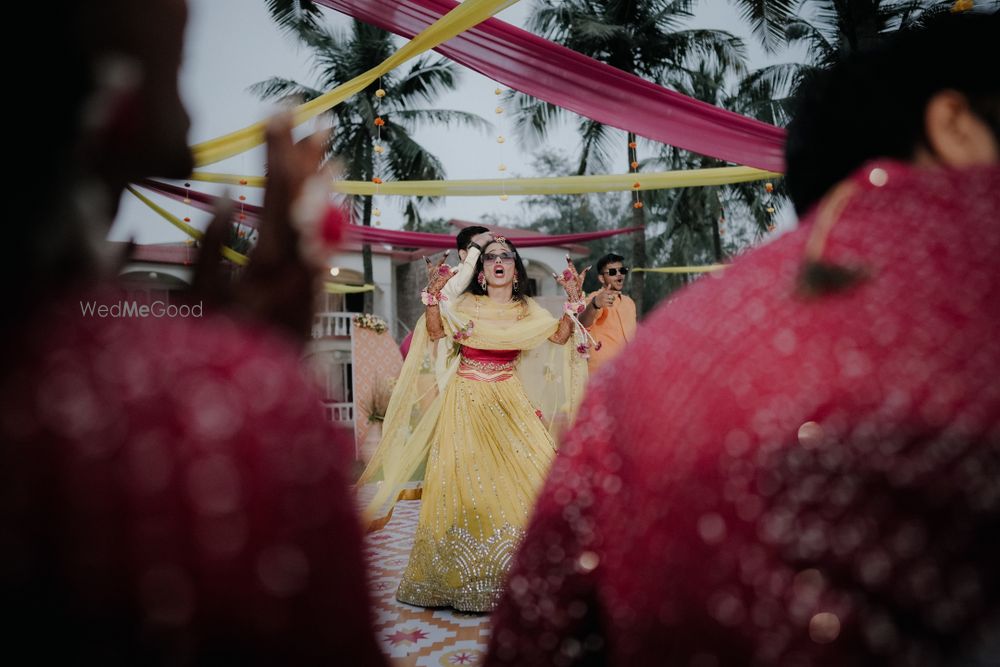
{"type": "Point", "coordinates": [383, 276]}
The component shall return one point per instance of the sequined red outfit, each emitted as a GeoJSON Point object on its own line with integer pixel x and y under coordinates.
{"type": "Point", "coordinates": [683, 522]}
{"type": "Point", "coordinates": [172, 494]}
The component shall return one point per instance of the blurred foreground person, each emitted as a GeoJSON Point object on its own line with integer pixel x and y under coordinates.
{"type": "Point", "coordinates": [170, 492]}
{"type": "Point", "coordinates": [799, 463]}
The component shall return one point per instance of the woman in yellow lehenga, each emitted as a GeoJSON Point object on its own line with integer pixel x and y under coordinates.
{"type": "Point", "coordinates": [485, 444]}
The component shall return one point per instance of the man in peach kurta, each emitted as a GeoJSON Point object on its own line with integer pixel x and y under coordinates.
{"type": "Point", "coordinates": [610, 316]}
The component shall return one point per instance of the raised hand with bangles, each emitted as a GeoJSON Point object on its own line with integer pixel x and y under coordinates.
{"type": "Point", "coordinates": [438, 276]}
{"type": "Point", "coordinates": [572, 283]}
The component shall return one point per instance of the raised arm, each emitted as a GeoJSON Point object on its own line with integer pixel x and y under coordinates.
{"type": "Point", "coordinates": [461, 279]}
{"type": "Point", "coordinates": [572, 282]}
{"type": "Point", "coordinates": [437, 276]}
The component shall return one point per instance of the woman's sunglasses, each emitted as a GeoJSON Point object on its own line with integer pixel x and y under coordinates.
{"type": "Point", "coordinates": [505, 257]}
{"type": "Point", "coordinates": [614, 272]}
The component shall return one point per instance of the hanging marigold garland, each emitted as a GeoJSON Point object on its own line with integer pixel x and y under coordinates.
{"type": "Point", "coordinates": [379, 150]}
{"type": "Point", "coordinates": [634, 168]}
{"type": "Point", "coordinates": [501, 167]}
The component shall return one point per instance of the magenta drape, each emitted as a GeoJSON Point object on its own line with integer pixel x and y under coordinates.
{"type": "Point", "coordinates": [561, 76]}
{"type": "Point", "coordinates": [425, 240]}
{"type": "Point", "coordinates": [361, 234]}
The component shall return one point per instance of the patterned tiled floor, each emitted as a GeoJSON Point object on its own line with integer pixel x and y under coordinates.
{"type": "Point", "coordinates": [414, 636]}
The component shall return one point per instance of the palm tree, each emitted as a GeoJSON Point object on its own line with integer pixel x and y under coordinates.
{"type": "Point", "coordinates": [691, 223]}
{"type": "Point", "coordinates": [830, 30]}
{"type": "Point", "coordinates": [642, 37]}
{"type": "Point", "coordinates": [364, 151]}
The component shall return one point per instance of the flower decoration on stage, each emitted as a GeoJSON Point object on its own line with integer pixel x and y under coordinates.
{"type": "Point", "coordinates": [380, 93]}
{"type": "Point", "coordinates": [769, 188]}
{"type": "Point", "coordinates": [636, 185]}
{"type": "Point", "coordinates": [379, 148]}
{"type": "Point", "coordinates": [376, 180]}
{"type": "Point", "coordinates": [962, 6]}
{"type": "Point", "coordinates": [501, 139]}
{"type": "Point", "coordinates": [379, 122]}
{"type": "Point", "coordinates": [633, 164]}
{"type": "Point", "coordinates": [632, 144]}
{"type": "Point", "coordinates": [371, 322]}
{"type": "Point", "coordinates": [504, 197]}
{"type": "Point", "coordinates": [637, 204]}
{"type": "Point", "coordinates": [465, 332]}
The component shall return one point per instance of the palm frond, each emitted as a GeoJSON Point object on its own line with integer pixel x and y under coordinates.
{"type": "Point", "coordinates": [597, 145]}
{"type": "Point", "coordinates": [408, 160]}
{"type": "Point", "coordinates": [427, 79]}
{"type": "Point", "coordinates": [532, 117]}
{"type": "Point", "coordinates": [767, 18]}
{"type": "Point", "coordinates": [416, 118]}
{"type": "Point", "coordinates": [283, 89]}
{"type": "Point", "coordinates": [294, 15]}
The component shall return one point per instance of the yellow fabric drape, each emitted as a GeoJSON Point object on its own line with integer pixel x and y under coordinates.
{"type": "Point", "coordinates": [557, 373]}
{"type": "Point", "coordinates": [487, 187]}
{"type": "Point", "coordinates": [339, 288]}
{"type": "Point", "coordinates": [705, 268]}
{"type": "Point", "coordinates": [458, 20]}
{"type": "Point", "coordinates": [227, 252]}
{"type": "Point", "coordinates": [236, 258]}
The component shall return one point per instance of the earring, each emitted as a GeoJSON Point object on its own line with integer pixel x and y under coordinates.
{"type": "Point", "coordinates": [482, 280]}
{"type": "Point", "coordinates": [515, 283]}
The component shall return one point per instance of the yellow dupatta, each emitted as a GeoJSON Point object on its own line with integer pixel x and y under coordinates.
{"type": "Point", "coordinates": [553, 377]}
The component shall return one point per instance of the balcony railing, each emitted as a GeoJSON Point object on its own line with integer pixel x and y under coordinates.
{"type": "Point", "coordinates": [332, 325]}
{"type": "Point", "coordinates": [341, 414]}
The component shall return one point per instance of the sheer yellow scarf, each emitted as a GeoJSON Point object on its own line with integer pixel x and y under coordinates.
{"type": "Point", "coordinates": [553, 377]}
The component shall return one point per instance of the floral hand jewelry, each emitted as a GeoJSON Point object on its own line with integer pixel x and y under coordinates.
{"type": "Point", "coordinates": [465, 332]}
{"type": "Point", "coordinates": [431, 298]}
{"type": "Point", "coordinates": [575, 304]}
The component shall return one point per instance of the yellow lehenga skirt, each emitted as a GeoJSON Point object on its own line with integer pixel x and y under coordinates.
{"type": "Point", "coordinates": [488, 458]}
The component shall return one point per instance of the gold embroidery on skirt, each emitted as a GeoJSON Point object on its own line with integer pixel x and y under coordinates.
{"type": "Point", "coordinates": [458, 570]}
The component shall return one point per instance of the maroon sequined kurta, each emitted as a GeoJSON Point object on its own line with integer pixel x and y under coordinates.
{"type": "Point", "coordinates": [684, 522]}
{"type": "Point", "coordinates": [172, 494]}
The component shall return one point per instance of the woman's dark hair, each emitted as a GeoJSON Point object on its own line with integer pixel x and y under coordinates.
{"type": "Point", "coordinates": [464, 237]}
{"type": "Point", "coordinates": [521, 275]}
{"type": "Point", "coordinates": [872, 103]}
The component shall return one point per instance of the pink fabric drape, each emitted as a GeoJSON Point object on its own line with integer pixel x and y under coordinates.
{"type": "Point", "coordinates": [548, 71]}
{"type": "Point", "coordinates": [425, 240]}
{"type": "Point", "coordinates": [359, 233]}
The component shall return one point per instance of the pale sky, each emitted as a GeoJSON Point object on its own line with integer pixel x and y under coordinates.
{"type": "Point", "coordinates": [232, 44]}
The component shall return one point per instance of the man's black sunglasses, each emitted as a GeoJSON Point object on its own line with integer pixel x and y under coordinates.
{"type": "Point", "coordinates": [614, 272]}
